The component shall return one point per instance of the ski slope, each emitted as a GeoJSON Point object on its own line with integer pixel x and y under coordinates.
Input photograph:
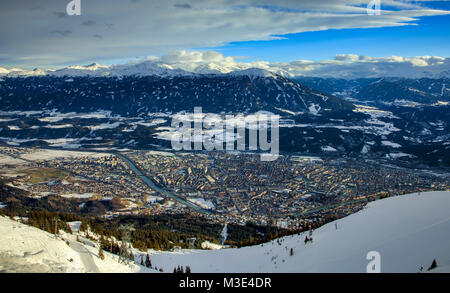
{"type": "Point", "coordinates": [408, 231]}
{"type": "Point", "coordinates": [26, 249]}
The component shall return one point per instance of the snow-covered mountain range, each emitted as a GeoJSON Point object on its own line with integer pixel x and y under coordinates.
{"type": "Point", "coordinates": [145, 68]}
{"type": "Point", "coordinates": [384, 91]}
{"type": "Point", "coordinates": [347, 67]}
{"type": "Point", "coordinates": [320, 115]}
{"type": "Point", "coordinates": [127, 90]}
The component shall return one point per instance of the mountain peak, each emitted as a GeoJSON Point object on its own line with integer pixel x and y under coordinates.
{"type": "Point", "coordinates": [3, 70]}
{"type": "Point", "coordinates": [252, 73]}
{"type": "Point", "coordinates": [147, 68]}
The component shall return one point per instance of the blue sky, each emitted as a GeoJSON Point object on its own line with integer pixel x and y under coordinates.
{"type": "Point", "coordinates": [431, 36]}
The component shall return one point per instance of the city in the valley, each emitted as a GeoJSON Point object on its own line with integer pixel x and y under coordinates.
{"type": "Point", "coordinates": [223, 187]}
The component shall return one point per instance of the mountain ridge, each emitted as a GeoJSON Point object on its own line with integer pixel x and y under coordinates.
{"type": "Point", "coordinates": [245, 91]}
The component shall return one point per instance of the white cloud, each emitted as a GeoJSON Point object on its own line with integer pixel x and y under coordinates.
{"type": "Point", "coordinates": [345, 57]}
{"type": "Point", "coordinates": [354, 66]}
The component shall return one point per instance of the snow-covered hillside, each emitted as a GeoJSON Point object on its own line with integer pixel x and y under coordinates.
{"type": "Point", "coordinates": [26, 249]}
{"type": "Point", "coordinates": [408, 231]}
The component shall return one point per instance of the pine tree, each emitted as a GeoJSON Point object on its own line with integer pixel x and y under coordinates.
{"type": "Point", "coordinates": [100, 252]}
{"type": "Point", "coordinates": [291, 252]}
{"type": "Point", "coordinates": [142, 260]}
{"type": "Point", "coordinates": [188, 269]}
{"type": "Point", "coordinates": [433, 265]}
{"type": "Point", "coordinates": [148, 262]}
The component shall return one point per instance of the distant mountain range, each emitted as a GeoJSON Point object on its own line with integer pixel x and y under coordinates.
{"type": "Point", "coordinates": [384, 91]}
{"type": "Point", "coordinates": [377, 91]}
{"type": "Point", "coordinates": [98, 106]}
{"type": "Point", "coordinates": [144, 68]}
{"type": "Point", "coordinates": [167, 90]}
{"type": "Point", "coordinates": [147, 68]}
{"type": "Point", "coordinates": [368, 68]}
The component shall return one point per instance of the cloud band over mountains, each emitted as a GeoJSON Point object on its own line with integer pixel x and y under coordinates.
{"type": "Point", "coordinates": [348, 66]}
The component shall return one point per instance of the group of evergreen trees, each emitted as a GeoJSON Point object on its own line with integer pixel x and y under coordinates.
{"type": "Point", "coordinates": [180, 270]}
{"type": "Point", "coordinates": [147, 263]}
{"type": "Point", "coordinates": [47, 221]}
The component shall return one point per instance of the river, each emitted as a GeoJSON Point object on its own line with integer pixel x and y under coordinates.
{"type": "Point", "coordinates": [153, 186]}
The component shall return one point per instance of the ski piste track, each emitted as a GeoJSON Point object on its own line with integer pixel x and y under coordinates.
{"type": "Point", "coordinates": [86, 257]}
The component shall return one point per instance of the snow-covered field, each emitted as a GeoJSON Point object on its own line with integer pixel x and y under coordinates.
{"type": "Point", "coordinates": [46, 154]}
{"type": "Point", "coordinates": [408, 231]}
{"type": "Point", "coordinates": [78, 195]}
{"type": "Point", "coordinates": [8, 160]}
{"type": "Point", "coordinates": [206, 204]}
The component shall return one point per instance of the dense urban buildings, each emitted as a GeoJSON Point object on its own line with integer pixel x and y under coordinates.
{"type": "Point", "coordinates": [226, 187]}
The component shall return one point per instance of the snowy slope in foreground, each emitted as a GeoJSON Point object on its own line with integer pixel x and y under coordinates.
{"type": "Point", "coordinates": [26, 249]}
{"type": "Point", "coordinates": [408, 231]}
